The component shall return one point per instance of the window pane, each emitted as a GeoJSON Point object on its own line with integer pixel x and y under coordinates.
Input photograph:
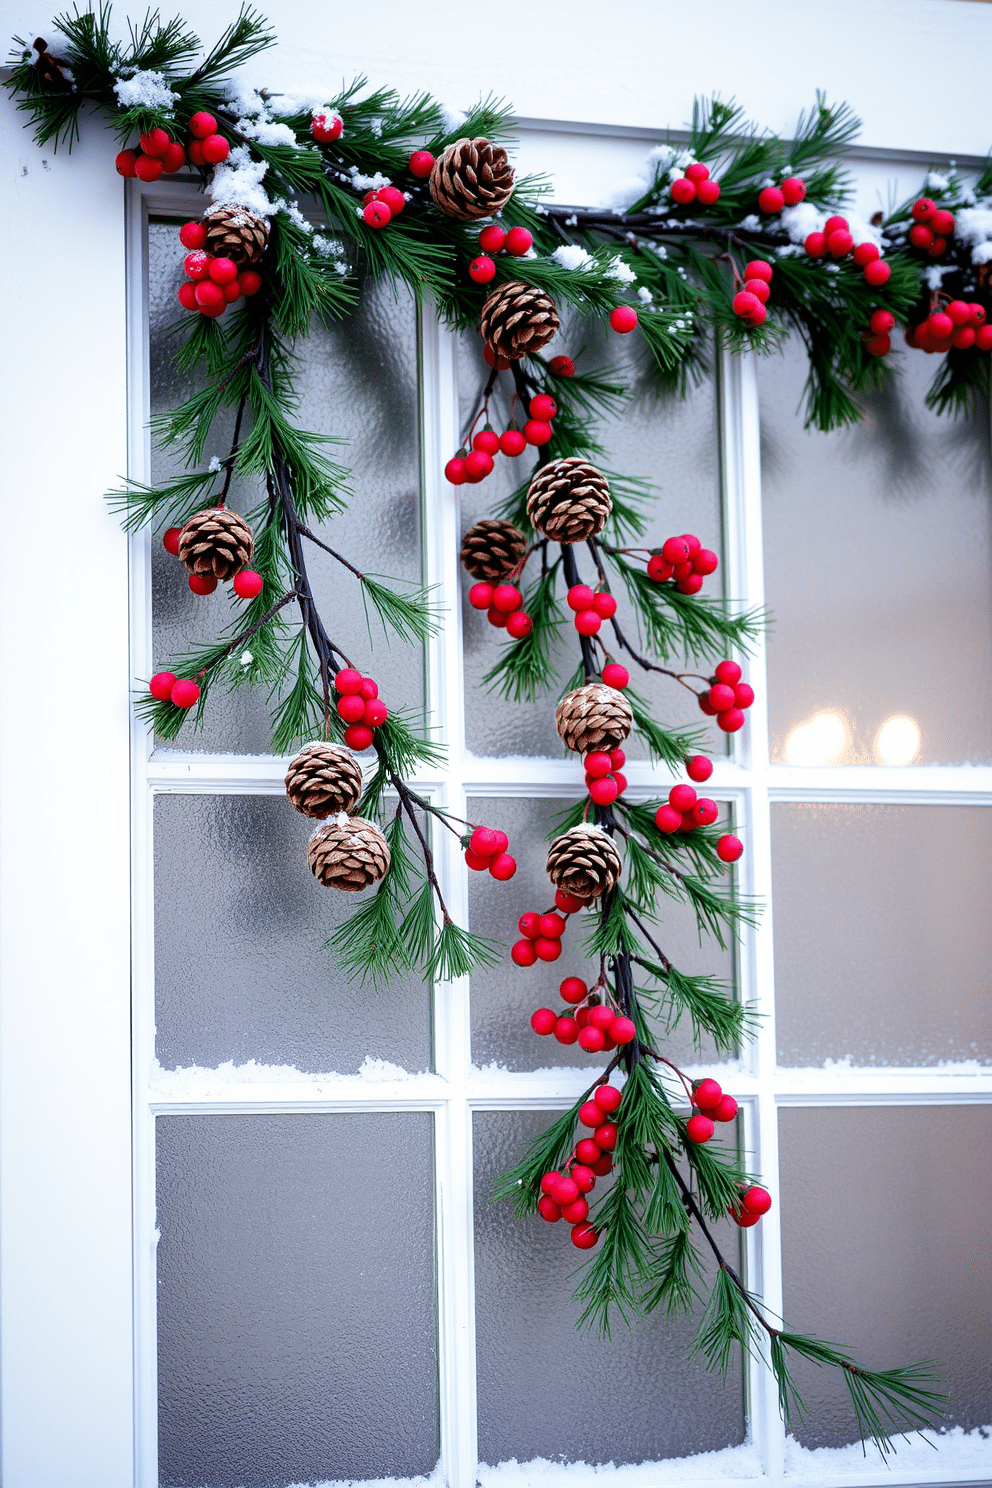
{"type": "Point", "coordinates": [297, 1335]}
{"type": "Point", "coordinates": [671, 443]}
{"type": "Point", "coordinates": [886, 1215]}
{"type": "Point", "coordinates": [240, 969]}
{"type": "Point", "coordinates": [878, 571]}
{"type": "Point", "coordinates": [883, 938]}
{"type": "Point", "coordinates": [547, 1390]}
{"type": "Point", "coordinates": [357, 381]}
{"type": "Point", "coordinates": [504, 996]}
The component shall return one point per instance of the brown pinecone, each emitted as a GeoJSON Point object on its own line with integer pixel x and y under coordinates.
{"type": "Point", "coordinates": [472, 178]}
{"type": "Point", "coordinates": [517, 319]}
{"type": "Point", "coordinates": [492, 549]}
{"type": "Point", "coordinates": [236, 233]}
{"type": "Point", "coordinates": [593, 717]}
{"type": "Point", "coordinates": [569, 500]}
{"type": "Point", "coordinates": [217, 542]}
{"type": "Point", "coordinates": [324, 780]}
{"type": "Point", "coordinates": [583, 861]}
{"type": "Point", "coordinates": [349, 853]}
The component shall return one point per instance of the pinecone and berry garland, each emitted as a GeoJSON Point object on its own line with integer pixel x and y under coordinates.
{"type": "Point", "coordinates": [593, 717]}
{"type": "Point", "coordinates": [216, 543]}
{"type": "Point", "coordinates": [583, 862]}
{"type": "Point", "coordinates": [493, 549]}
{"type": "Point", "coordinates": [569, 500]}
{"type": "Point", "coordinates": [518, 319]}
{"type": "Point", "coordinates": [236, 233]}
{"type": "Point", "coordinates": [348, 853]}
{"type": "Point", "coordinates": [323, 780]}
{"type": "Point", "coordinates": [471, 179]}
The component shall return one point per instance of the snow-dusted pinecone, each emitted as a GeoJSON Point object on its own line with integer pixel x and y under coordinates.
{"type": "Point", "coordinates": [348, 853]}
{"type": "Point", "coordinates": [584, 862]}
{"type": "Point", "coordinates": [324, 780]}
{"type": "Point", "coordinates": [236, 233]}
{"type": "Point", "coordinates": [472, 178]}
{"type": "Point", "coordinates": [492, 549]}
{"type": "Point", "coordinates": [569, 500]}
{"type": "Point", "coordinates": [593, 717]}
{"type": "Point", "coordinates": [517, 319]}
{"type": "Point", "coordinates": [216, 542]}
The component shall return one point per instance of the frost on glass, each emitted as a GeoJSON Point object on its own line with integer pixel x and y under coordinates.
{"type": "Point", "coordinates": [547, 1390]}
{"type": "Point", "coordinates": [356, 380]}
{"type": "Point", "coordinates": [878, 571]}
{"type": "Point", "coordinates": [503, 997]}
{"type": "Point", "coordinates": [296, 1313]}
{"type": "Point", "coordinates": [883, 938]}
{"type": "Point", "coordinates": [891, 1207]}
{"type": "Point", "coordinates": [240, 969]}
{"type": "Point", "coordinates": [670, 442]}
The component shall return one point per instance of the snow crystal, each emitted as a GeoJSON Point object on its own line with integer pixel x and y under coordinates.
{"type": "Point", "coordinates": [192, 1082]}
{"type": "Point", "coordinates": [452, 119]}
{"type": "Point", "coordinates": [752, 223]}
{"type": "Point", "coordinates": [149, 90]}
{"type": "Point", "coordinates": [618, 269]}
{"type": "Point", "coordinates": [266, 132]}
{"type": "Point", "coordinates": [435, 1480]}
{"type": "Point", "coordinates": [293, 212]}
{"type": "Point", "coordinates": [366, 183]}
{"type": "Point", "coordinates": [624, 193]}
{"type": "Point", "coordinates": [862, 231]}
{"type": "Point", "coordinates": [645, 296]}
{"type": "Point", "coordinates": [327, 247]}
{"type": "Point", "coordinates": [973, 227]}
{"type": "Point", "coordinates": [243, 98]}
{"type": "Point", "coordinates": [957, 1453]}
{"type": "Point", "coordinates": [800, 221]}
{"type": "Point", "coordinates": [936, 182]}
{"type": "Point", "coordinates": [246, 659]}
{"type": "Point", "coordinates": [572, 256]}
{"type": "Point", "coordinates": [215, 464]}
{"type": "Point", "coordinates": [735, 1464]}
{"type": "Point", "coordinates": [237, 182]}
{"type": "Point", "coordinates": [300, 101]}
{"type": "Point", "coordinates": [572, 221]}
{"type": "Point", "coordinates": [934, 274]}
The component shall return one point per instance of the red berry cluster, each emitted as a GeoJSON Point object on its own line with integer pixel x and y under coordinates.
{"type": "Point", "coordinates": [711, 1105]}
{"type": "Point", "coordinates": [790, 193]}
{"type": "Point", "coordinates": [750, 302]}
{"type": "Point", "coordinates": [594, 1026]}
{"type": "Point", "coordinates": [359, 706]}
{"type": "Point", "coordinates": [695, 185]}
{"type": "Point", "coordinates": [604, 778]}
{"type": "Point", "coordinates": [727, 697]}
{"type": "Point", "coordinates": [503, 604]}
{"type": "Point", "coordinates": [754, 1202]}
{"type": "Point", "coordinates": [837, 241]}
{"type": "Point", "coordinates": [474, 465]}
{"type": "Point", "coordinates": [380, 206]}
{"type": "Point", "coordinates": [211, 283]}
{"type": "Point", "coordinates": [246, 584]}
{"type": "Point", "coordinates": [955, 323]}
{"type": "Point", "coordinates": [326, 127]}
{"type": "Point", "coordinates": [932, 226]}
{"type": "Point", "coordinates": [487, 848]}
{"type": "Point", "coordinates": [879, 342]}
{"type": "Point", "coordinates": [685, 560]}
{"type": "Point", "coordinates": [685, 811]}
{"type": "Point", "coordinates": [165, 687]}
{"type": "Point", "coordinates": [563, 1193]}
{"type": "Point", "coordinates": [590, 608]}
{"type": "Point", "coordinates": [157, 154]}
{"type": "Point", "coordinates": [495, 239]}
{"type": "Point", "coordinates": [543, 932]}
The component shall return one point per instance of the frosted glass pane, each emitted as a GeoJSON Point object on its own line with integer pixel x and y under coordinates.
{"type": "Point", "coordinates": [240, 972]}
{"type": "Point", "coordinates": [883, 937]}
{"type": "Point", "coordinates": [504, 997]}
{"type": "Point", "coordinates": [547, 1390]}
{"type": "Point", "coordinates": [357, 381]}
{"type": "Point", "coordinates": [296, 1320]}
{"type": "Point", "coordinates": [878, 571]}
{"type": "Point", "coordinates": [886, 1219]}
{"type": "Point", "coordinates": [670, 442]}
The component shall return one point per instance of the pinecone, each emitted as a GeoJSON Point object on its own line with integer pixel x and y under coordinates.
{"type": "Point", "coordinates": [217, 542]}
{"type": "Point", "coordinates": [569, 500]}
{"type": "Point", "coordinates": [593, 717]}
{"type": "Point", "coordinates": [584, 862]}
{"type": "Point", "coordinates": [472, 178]}
{"type": "Point", "coordinates": [323, 780]}
{"type": "Point", "coordinates": [349, 853]}
{"type": "Point", "coordinates": [236, 233]}
{"type": "Point", "coordinates": [492, 549]}
{"type": "Point", "coordinates": [517, 319]}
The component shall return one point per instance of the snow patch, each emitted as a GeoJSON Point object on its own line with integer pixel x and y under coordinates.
{"type": "Point", "coordinates": [366, 183]}
{"type": "Point", "coordinates": [215, 464]}
{"type": "Point", "coordinates": [193, 1082]}
{"type": "Point", "coordinates": [802, 220]}
{"type": "Point", "coordinates": [973, 227]}
{"type": "Point", "coordinates": [452, 119]}
{"type": "Point", "coordinates": [305, 100]}
{"type": "Point", "coordinates": [573, 256]}
{"type": "Point", "coordinates": [435, 1479]}
{"type": "Point", "coordinates": [265, 132]}
{"type": "Point", "coordinates": [243, 98]}
{"type": "Point", "coordinates": [237, 182]}
{"type": "Point", "coordinates": [936, 182]}
{"type": "Point", "coordinates": [618, 269]}
{"type": "Point", "coordinates": [733, 1464]}
{"type": "Point", "coordinates": [149, 90]}
{"type": "Point", "coordinates": [965, 1454]}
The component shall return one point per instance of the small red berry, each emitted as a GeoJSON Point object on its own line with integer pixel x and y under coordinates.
{"type": "Point", "coordinates": [147, 168]}
{"type": "Point", "coordinates": [548, 1209]}
{"type": "Point", "coordinates": [691, 584]}
{"type": "Point", "coordinates": [393, 197]}
{"type": "Point", "coordinates": [474, 861]}
{"type": "Point", "coordinates": [197, 264]}
{"type": "Point", "coordinates": [352, 708]}
{"type": "Point", "coordinates": [573, 989]}
{"type": "Point", "coordinates": [590, 1114]}
{"type": "Point", "coordinates": [623, 1031]}
{"type": "Point", "coordinates": [615, 675]}
{"type": "Point", "coordinates": [568, 903]}
{"type": "Point", "coordinates": [537, 431]}
{"type": "Point", "coordinates": [497, 618]}
{"type": "Point", "coordinates": [550, 1182]}
{"type": "Point", "coordinates": [759, 289]}
{"type": "Point", "coordinates": [749, 308]}
{"type": "Point", "coordinates": [583, 1177]}
{"type": "Point", "coordinates": [605, 1136]}
{"type": "Point", "coordinates": [347, 680]}
{"type": "Point", "coordinates": [835, 224]}
{"type": "Point", "coordinates": [485, 842]}
{"type": "Point", "coordinates": [202, 124]}
{"type": "Point", "coordinates": [125, 163]}
{"type": "Point", "coordinates": [683, 191]}
{"type": "Point", "coordinates": [420, 165]}
{"type": "Point", "coordinates": [604, 604]}
{"type": "Point", "coordinates": [942, 222]}
{"type": "Point", "coordinates": [478, 465]}
{"type": "Point", "coordinates": [193, 235]}
{"type": "Point", "coordinates": [161, 686]}
{"type": "Point", "coordinates": [486, 440]}
{"type": "Point", "coordinates": [699, 768]}
{"type": "Point", "coordinates": [174, 158]}
{"type": "Point", "coordinates": [566, 1190]}
{"type": "Point", "coordinates": [202, 583]}
{"type": "Point", "coordinates": [480, 596]}
{"type": "Point", "coordinates": [983, 338]}
{"type": "Point", "coordinates": [375, 713]}
{"type": "Point", "coordinates": [577, 1211]}
{"type": "Point", "coordinates": [743, 695]}
{"type": "Point", "coordinates": [551, 926]}
{"type": "Point", "coordinates": [604, 792]}
{"type": "Point", "coordinates": [579, 597]}
{"type": "Point", "coordinates": [223, 270]}
{"type": "Point", "coordinates": [587, 622]}
{"type": "Point", "coordinates": [877, 273]}
{"type": "Point", "coordinates": [658, 569]}
{"type": "Point", "coordinates": [730, 720]}
{"type": "Point", "coordinates": [940, 326]}
{"type": "Point", "coordinates": [621, 781]}
{"type": "Point", "coordinates": [725, 1110]}
{"type": "Point", "coordinates": [543, 406]}
{"type": "Point", "coordinates": [591, 1039]}
{"type": "Point", "coordinates": [518, 242]}
{"type": "Point", "coordinates": [170, 540]}
{"type": "Point", "coordinates": [920, 236]}
{"type": "Point", "coordinates": [377, 214]}
{"type": "Point", "coordinates": [923, 209]}
{"type": "Point", "coordinates": [865, 253]}
{"type": "Point", "coordinates": [598, 764]}
{"type": "Point", "coordinates": [454, 471]}
{"type": "Point", "coordinates": [194, 151]}
{"type": "Point", "coordinates": [519, 625]}
{"type": "Point", "coordinates": [566, 1029]}
{"type": "Point", "coordinates": [502, 868]}
{"type": "Point", "coordinates": [561, 366]}
{"type": "Point", "coordinates": [771, 200]}
{"type": "Point", "coordinates": [512, 442]}
{"type": "Point", "coordinates": [697, 172]}
{"type": "Point", "coordinates": [815, 245]}
{"type": "Point", "coordinates": [608, 1098]}
{"type": "Point", "coordinates": [976, 314]}
{"type": "Point", "coordinates": [215, 149]}
{"type": "Point", "coordinates": [155, 142]}
{"type": "Point", "coordinates": [603, 1166]}
{"type": "Point", "coordinates": [743, 1219]}
{"type": "Point", "coordinates": [793, 191]}
{"type": "Point", "coordinates": [247, 584]}
{"type": "Point", "coordinates": [667, 819]}
{"type": "Point", "coordinates": [543, 1021]}
{"type": "Point", "coordinates": [524, 954]}
{"type": "Point", "coordinates": [358, 736]}
{"type": "Point", "coordinates": [588, 1151]}
{"type": "Point", "coordinates": [482, 269]}
{"type": "Point", "coordinates": [585, 1236]}
{"type": "Point", "coordinates": [963, 338]}
{"type": "Point", "coordinates": [729, 848]}
{"type": "Point", "coordinates": [682, 797]}
{"type": "Point", "coordinates": [707, 192]}
{"type": "Point", "coordinates": [705, 812]}
{"type": "Point", "coordinates": [623, 319]}
{"type": "Point", "coordinates": [492, 238]}
{"type": "Point", "coordinates": [757, 1200]}
{"type": "Point", "coordinates": [370, 688]}
{"type": "Point", "coordinates": [675, 551]}
{"type": "Point", "coordinates": [547, 950]}
{"type": "Point", "coordinates": [727, 672]}
{"type": "Point", "coordinates": [883, 321]}
{"type": "Point", "coordinates": [185, 693]}
{"type": "Point", "coordinates": [706, 1094]}
{"type": "Point", "coordinates": [507, 598]}
{"type": "Point", "coordinates": [699, 1128]}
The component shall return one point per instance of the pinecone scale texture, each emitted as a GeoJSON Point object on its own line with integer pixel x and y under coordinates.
{"type": "Point", "coordinates": [471, 178]}
{"type": "Point", "coordinates": [348, 853]}
{"type": "Point", "coordinates": [216, 542]}
{"type": "Point", "coordinates": [492, 549]}
{"type": "Point", "coordinates": [323, 780]}
{"type": "Point", "coordinates": [583, 861]}
{"type": "Point", "coordinates": [517, 319]}
{"type": "Point", "coordinates": [593, 717]}
{"type": "Point", "coordinates": [569, 500]}
{"type": "Point", "coordinates": [236, 233]}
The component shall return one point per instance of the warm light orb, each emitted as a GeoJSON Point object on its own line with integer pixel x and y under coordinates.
{"type": "Point", "coordinates": [821, 741]}
{"type": "Point", "coordinates": [897, 741]}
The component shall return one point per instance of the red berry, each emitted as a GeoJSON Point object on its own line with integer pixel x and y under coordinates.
{"type": "Point", "coordinates": [699, 768]}
{"type": "Point", "coordinates": [883, 321]}
{"type": "Point", "coordinates": [590, 1114]}
{"type": "Point", "coordinates": [194, 151]}
{"type": "Point", "coordinates": [582, 1016]}
{"type": "Point", "coordinates": [771, 200]}
{"type": "Point", "coordinates": [705, 812]}
{"type": "Point", "coordinates": [480, 596]}
{"type": "Point", "coordinates": [174, 158]}
{"type": "Point", "coordinates": [963, 337]}
{"type": "Point", "coordinates": [601, 1017]}
{"type": "Point", "coordinates": [730, 720]}
{"type": "Point", "coordinates": [197, 264]}
{"type": "Point", "coordinates": [549, 1183]}
{"type": "Point", "coordinates": [623, 319]}
{"type": "Point", "coordinates": [839, 243]}
{"type": "Point", "coordinates": [749, 307]}
{"type": "Point", "coordinates": [185, 693]}
{"type": "Point", "coordinates": [605, 1136]}
{"type": "Point", "coordinates": [693, 543]}
{"type": "Point", "coordinates": [658, 569]}
{"type": "Point", "coordinates": [682, 797]}
{"type": "Point", "coordinates": [584, 1178]}
{"type": "Point", "coordinates": [232, 292]}
{"type": "Point", "coordinates": [587, 622]}
{"type": "Point", "coordinates": [475, 861]}
{"type": "Point", "coordinates": [375, 714]}
{"type": "Point", "coordinates": [566, 1190]}
{"type": "Point", "coordinates": [358, 736]}
{"type": "Point", "coordinates": [394, 199]}
{"type": "Point", "coordinates": [607, 1098]}
{"type": "Point", "coordinates": [725, 1110]}
{"type": "Point", "coordinates": [793, 191]}
{"type": "Point", "coordinates": [942, 222]}
{"type": "Point", "coordinates": [690, 585]}
{"type": "Point", "coordinates": [940, 326]}
{"type": "Point", "coordinates": [524, 954]}
{"type": "Point", "coordinates": [577, 1211]}
{"type": "Point", "coordinates": [667, 819]}
{"type": "Point", "coordinates": [958, 310]}
{"type": "Point", "coordinates": [757, 1200]}
{"type": "Point", "coordinates": [352, 708]}
{"type": "Point", "coordinates": [478, 465]}
{"type": "Point", "coordinates": [147, 168]}
{"type": "Point", "coordinates": [161, 686]}
{"type": "Point", "coordinates": [604, 792]}
{"type": "Point", "coordinates": [247, 584]}
{"type": "Point", "coordinates": [976, 314]}
{"type": "Point", "coordinates": [170, 540]}
{"type": "Point", "coordinates": [482, 269]}
{"type": "Point", "coordinates": [561, 366]}
{"type": "Point", "coordinates": [249, 283]}
{"type": "Point", "coordinates": [543, 406]}
{"type": "Point", "coordinates": [537, 431]}
{"type": "Point", "coordinates": [704, 704]}
{"type": "Point", "coordinates": [548, 1209]}
{"type": "Point", "coordinates": [617, 758]}
{"type": "Point", "coordinates": [528, 922]}
{"type": "Point", "coordinates": [547, 950]}
{"type": "Point", "coordinates": [727, 672]}
{"type": "Point", "coordinates": [420, 164]}
{"type": "Point", "coordinates": [865, 253]}
{"type": "Point", "coordinates": [202, 124]}
{"type": "Point", "coordinates": [983, 338]}
{"type": "Point", "coordinates": [502, 868]}
{"type": "Point", "coordinates": [605, 605]}
{"type": "Point", "coordinates": [877, 273]}
{"type": "Point", "coordinates": [683, 191]}
{"type": "Point", "coordinates": [592, 1040]}
{"type": "Point", "coordinates": [370, 689]}
{"type": "Point", "coordinates": [377, 214]}
{"type": "Point", "coordinates": [675, 550]}
{"type": "Point", "coordinates": [585, 1236]}
{"type": "Point", "coordinates": [579, 597]}
{"type": "Point", "coordinates": [215, 149]}
{"type": "Point", "coordinates": [551, 926]}
{"type": "Point", "coordinates": [223, 270]}
{"type": "Point", "coordinates": [455, 472]}
{"type": "Point", "coordinates": [615, 675]}
{"type": "Point", "coordinates": [835, 224]}
{"type": "Point", "coordinates": [492, 238]}
{"type": "Point", "coordinates": [587, 1151]}
{"type": "Point", "coordinates": [125, 163]}
{"type": "Point", "coordinates": [155, 142]}
{"type": "Point", "coordinates": [603, 1166]}
{"type": "Point", "coordinates": [202, 583]}
{"type": "Point", "coordinates": [743, 695]}
{"type": "Point", "coordinates": [518, 242]}
{"type": "Point", "coordinates": [815, 245]}
{"type": "Point", "coordinates": [706, 1094]}
{"type": "Point", "coordinates": [758, 288]}
{"type": "Point", "coordinates": [699, 1128]}
{"type": "Point", "coordinates": [347, 680]}
{"type": "Point", "coordinates": [568, 903]}
{"type": "Point", "coordinates": [492, 360]}
{"type": "Point", "coordinates": [506, 597]}
{"type": "Point", "coordinates": [502, 841]}
{"type": "Point", "coordinates": [743, 1219]}
{"type": "Point", "coordinates": [623, 1031]}
{"type": "Point", "coordinates": [707, 192]}
{"type": "Point", "coordinates": [921, 236]}
{"type": "Point", "coordinates": [566, 1030]}
{"type": "Point", "coordinates": [697, 172]}
{"type": "Point", "coordinates": [512, 442]}
{"type": "Point", "coordinates": [923, 209]}
{"type": "Point", "coordinates": [486, 440]}
{"type": "Point", "coordinates": [682, 570]}
{"type": "Point", "coordinates": [543, 1021]}
{"type": "Point", "coordinates": [573, 989]}
{"type": "Point", "coordinates": [729, 848]}
{"type": "Point", "coordinates": [519, 625]}
{"type": "Point", "coordinates": [484, 842]}
{"type": "Point", "coordinates": [688, 822]}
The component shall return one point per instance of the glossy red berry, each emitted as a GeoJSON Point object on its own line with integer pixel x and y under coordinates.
{"type": "Point", "coordinates": [793, 191]}
{"type": "Point", "coordinates": [502, 841]}
{"type": "Point", "coordinates": [749, 307]}
{"type": "Point", "coordinates": [161, 686]}
{"type": "Point", "coordinates": [883, 321]}
{"type": "Point", "coordinates": [604, 792]}
{"type": "Point", "coordinates": [699, 768]}
{"type": "Point", "coordinates": [561, 366]}
{"type": "Point", "coordinates": [455, 471]}
{"type": "Point", "coordinates": [202, 124]}
{"type": "Point", "coordinates": [480, 596]}
{"type": "Point", "coordinates": [588, 1151]}
{"type": "Point", "coordinates": [605, 1136]}
{"type": "Point", "coordinates": [683, 191]}
{"type": "Point", "coordinates": [147, 168]}
{"type": "Point", "coordinates": [706, 1094]}
{"type": "Point", "coordinates": [376, 714]}
{"type": "Point", "coordinates": [377, 214]}
{"type": "Point", "coordinates": [617, 758]}
{"type": "Point", "coordinates": [546, 949]}
{"type": "Point", "coordinates": [585, 1236]}
{"type": "Point", "coordinates": [492, 238]}
{"type": "Point", "coordinates": [155, 142]}
{"type": "Point", "coordinates": [170, 540]}
{"type": "Point", "coordinates": [743, 1219]}
{"type": "Point", "coordinates": [524, 954]}
{"type": "Point", "coordinates": [579, 597]}
{"type": "Point", "coordinates": [482, 269]}
{"type": "Point", "coordinates": [815, 244]}
{"type": "Point", "coordinates": [921, 236]}
{"type": "Point", "coordinates": [705, 812]}
{"type": "Point", "coordinates": [878, 273]}
{"type": "Point", "coordinates": [551, 926]}
{"type": "Point", "coordinates": [125, 163]}
{"type": "Point", "coordinates": [565, 1191]}
{"type": "Point", "coordinates": [247, 584]}
{"type": "Point", "coordinates": [983, 338]}
{"type": "Point", "coordinates": [194, 151]}
{"type": "Point", "coordinates": [590, 1114]}
{"type": "Point", "coordinates": [348, 681]}
{"type": "Point", "coordinates": [185, 693]}
{"type": "Point", "coordinates": [548, 1209]}
{"type": "Point", "coordinates": [623, 319]}
{"type": "Point", "coordinates": [577, 1211]}
{"type": "Point", "coordinates": [942, 222]}
{"type": "Point", "coordinates": [743, 695]}
{"type": "Point", "coordinates": [550, 1182]}
{"type": "Point", "coordinates": [727, 672]}
{"type": "Point", "coordinates": [196, 265]}
{"type": "Point", "coordinates": [512, 442]}
{"type": "Point", "coordinates": [174, 158]}
{"type": "Point", "coordinates": [420, 165]}
{"type": "Point", "coordinates": [215, 149]}
{"type": "Point", "coordinates": [923, 209]}
{"type": "Point", "coordinates": [478, 465]}
{"type": "Point", "coordinates": [730, 720]}
{"type": "Point", "coordinates": [485, 842]}
{"type": "Point", "coordinates": [573, 989]}
{"type": "Point", "coordinates": [603, 1166]}
{"type": "Point", "coordinates": [940, 326]}
{"type": "Point", "coordinates": [567, 903]}
{"type": "Point", "coordinates": [587, 622]}
{"type": "Point", "coordinates": [486, 440]}
{"type": "Point", "coordinates": [682, 797]}
{"type": "Point", "coordinates": [615, 675]}
{"type": "Point", "coordinates": [537, 432]}
{"type": "Point", "coordinates": [518, 242]}
{"type": "Point", "coordinates": [667, 819]}
{"type": "Point", "coordinates": [675, 550]}
{"type": "Point", "coordinates": [506, 597]}
{"type": "Point", "coordinates": [202, 583]}
{"type": "Point", "coordinates": [839, 243]}
{"type": "Point", "coordinates": [699, 1128]}
{"type": "Point", "coordinates": [605, 605]}
{"type": "Point", "coordinates": [757, 1200]}
{"type": "Point", "coordinates": [352, 708]}
{"type": "Point", "coordinates": [222, 270]}
{"type": "Point", "coordinates": [475, 861]}
{"type": "Point", "coordinates": [771, 200]}
{"type": "Point", "coordinates": [696, 172]}
{"type": "Point", "coordinates": [691, 584]}
{"type": "Point", "coordinates": [566, 1030]}
{"type": "Point", "coordinates": [759, 289]}
{"type": "Point", "coordinates": [725, 1109]}
{"type": "Point", "coordinates": [519, 624]}
{"type": "Point", "coordinates": [358, 736]}
{"type": "Point", "coordinates": [543, 1021]}
{"type": "Point", "coordinates": [707, 192]}
{"type": "Point", "coordinates": [729, 848]}
{"type": "Point", "coordinates": [542, 406]}
{"type": "Point", "coordinates": [963, 337]}
{"type": "Point", "coordinates": [583, 1177]}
